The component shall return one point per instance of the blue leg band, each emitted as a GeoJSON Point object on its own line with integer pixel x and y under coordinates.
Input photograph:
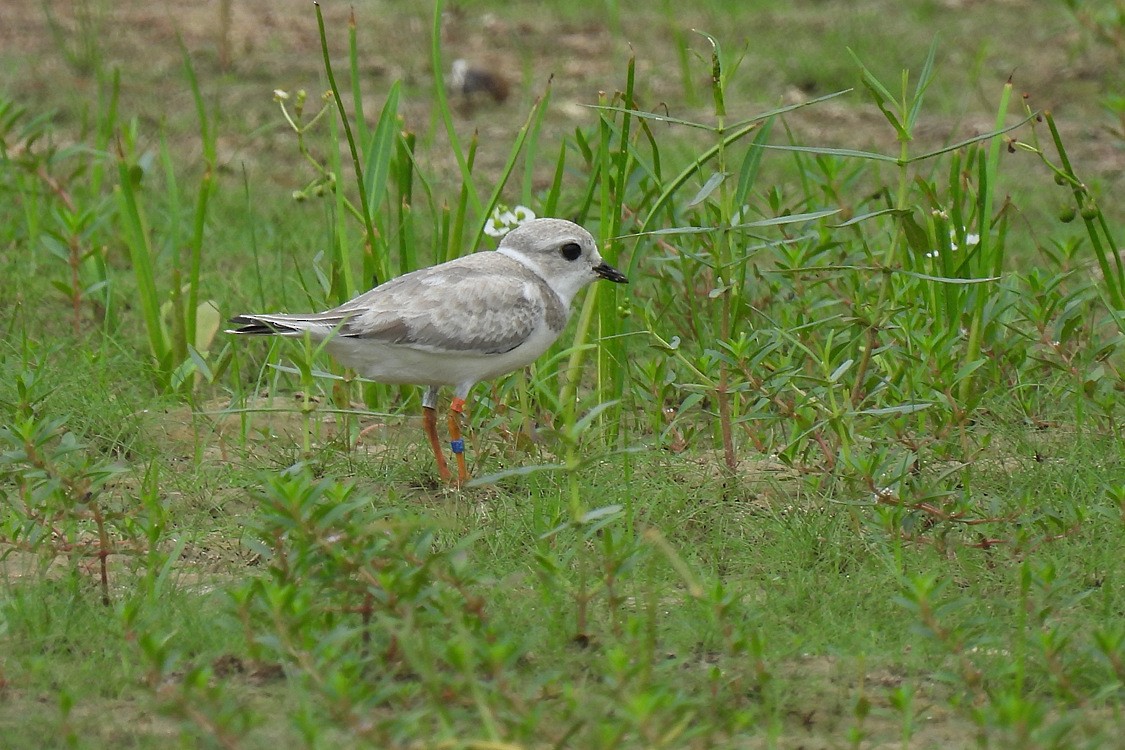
{"type": "Point", "coordinates": [458, 446]}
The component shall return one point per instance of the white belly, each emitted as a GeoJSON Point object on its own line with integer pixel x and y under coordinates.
{"type": "Point", "coordinates": [391, 363]}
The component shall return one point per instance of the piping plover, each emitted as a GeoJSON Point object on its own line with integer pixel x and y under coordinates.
{"type": "Point", "coordinates": [457, 323]}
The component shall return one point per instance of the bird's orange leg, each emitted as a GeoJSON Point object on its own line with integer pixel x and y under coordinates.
{"type": "Point", "coordinates": [456, 409]}
{"type": "Point", "coordinates": [429, 425]}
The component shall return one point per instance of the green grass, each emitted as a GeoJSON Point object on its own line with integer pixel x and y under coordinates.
{"type": "Point", "coordinates": [828, 473]}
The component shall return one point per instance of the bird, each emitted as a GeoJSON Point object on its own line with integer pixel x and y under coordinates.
{"type": "Point", "coordinates": [468, 80]}
{"type": "Point", "coordinates": [470, 84]}
{"type": "Point", "coordinates": [457, 323]}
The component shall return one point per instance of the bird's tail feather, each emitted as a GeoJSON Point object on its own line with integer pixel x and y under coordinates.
{"type": "Point", "coordinates": [261, 325]}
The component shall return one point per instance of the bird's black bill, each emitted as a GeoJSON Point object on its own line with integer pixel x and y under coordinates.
{"type": "Point", "coordinates": [609, 273]}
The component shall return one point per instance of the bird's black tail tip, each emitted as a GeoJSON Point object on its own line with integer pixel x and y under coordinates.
{"type": "Point", "coordinates": [249, 326]}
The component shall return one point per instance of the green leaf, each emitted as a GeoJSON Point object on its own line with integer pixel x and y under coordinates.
{"type": "Point", "coordinates": [56, 247]}
{"type": "Point", "coordinates": [881, 96]}
{"type": "Point", "coordinates": [824, 151]}
{"type": "Point", "coordinates": [599, 513]}
{"type": "Point", "coordinates": [866, 216]}
{"type": "Point", "coordinates": [208, 320]}
{"type": "Point", "coordinates": [651, 116]}
{"type": "Point", "coordinates": [520, 471]}
{"type": "Point", "coordinates": [708, 187]}
{"type": "Point", "coordinates": [200, 364]}
{"type": "Point", "coordinates": [141, 255]}
{"type": "Point", "coordinates": [925, 78]}
{"type": "Point", "coordinates": [770, 222]}
{"type": "Point", "coordinates": [878, 90]}
{"type": "Point", "coordinates": [900, 409]}
{"type": "Point", "coordinates": [777, 221]}
{"type": "Point", "coordinates": [582, 424]}
{"type": "Point", "coordinates": [945, 279]}
{"type": "Point", "coordinates": [968, 369]}
{"type": "Point", "coordinates": [970, 141]}
{"type": "Point", "coordinates": [668, 347]}
{"type": "Point", "coordinates": [380, 151]}
{"type": "Point", "coordinates": [839, 371]}
{"type": "Point", "coordinates": [751, 163]}
{"type": "Point", "coordinates": [915, 235]}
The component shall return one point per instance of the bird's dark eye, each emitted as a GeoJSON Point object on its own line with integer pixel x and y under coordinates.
{"type": "Point", "coordinates": [570, 251]}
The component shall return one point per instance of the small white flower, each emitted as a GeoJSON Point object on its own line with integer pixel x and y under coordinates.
{"type": "Point", "coordinates": [972, 240]}
{"type": "Point", "coordinates": [504, 220]}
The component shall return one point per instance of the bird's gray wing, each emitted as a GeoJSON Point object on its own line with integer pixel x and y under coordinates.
{"type": "Point", "coordinates": [466, 306]}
